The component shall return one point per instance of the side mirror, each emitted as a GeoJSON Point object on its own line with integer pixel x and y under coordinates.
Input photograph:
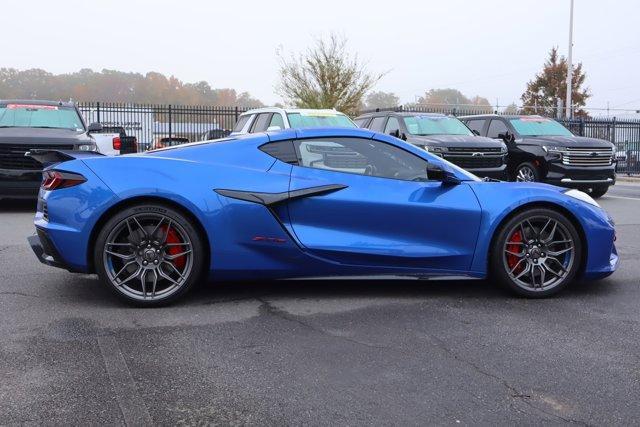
{"type": "Point", "coordinates": [507, 137]}
{"type": "Point", "coordinates": [395, 133]}
{"type": "Point", "coordinates": [436, 173]}
{"type": "Point", "coordinates": [94, 127]}
{"type": "Point", "coordinates": [475, 132]}
{"type": "Point", "coordinates": [273, 128]}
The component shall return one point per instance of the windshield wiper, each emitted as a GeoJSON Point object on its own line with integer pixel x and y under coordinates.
{"type": "Point", "coordinates": [8, 126]}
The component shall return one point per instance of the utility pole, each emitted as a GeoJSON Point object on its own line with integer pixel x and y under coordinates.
{"type": "Point", "coordinates": [570, 64]}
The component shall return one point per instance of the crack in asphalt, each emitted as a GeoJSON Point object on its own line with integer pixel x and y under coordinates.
{"type": "Point", "coordinates": [22, 294]}
{"type": "Point", "coordinates": [270, 309]}
{"type": "Point", "coordinates": [514, 393]}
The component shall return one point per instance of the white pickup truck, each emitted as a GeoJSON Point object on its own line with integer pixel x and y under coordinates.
{"type": "Point", "coordinates": [113, 140]}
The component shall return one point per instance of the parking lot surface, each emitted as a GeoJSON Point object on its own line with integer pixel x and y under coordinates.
{"type": "Point", "coordinates": [319, 352]}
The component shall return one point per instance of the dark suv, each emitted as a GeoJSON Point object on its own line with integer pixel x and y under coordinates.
{"type": "Point", "coordinates": [444, 136]}
{"type": "Point", "coordinates": [541, 149]}
{"type": "Point", "coordinates": [27, 124]}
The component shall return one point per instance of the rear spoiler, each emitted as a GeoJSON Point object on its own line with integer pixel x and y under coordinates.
{"type": "Point", "coordinates": [51, 157]}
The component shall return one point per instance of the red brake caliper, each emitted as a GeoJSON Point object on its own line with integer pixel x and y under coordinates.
{"type": "Point", "coordinates": [172, 237]}
{"type": "Point", "coordinates": [512, 260]}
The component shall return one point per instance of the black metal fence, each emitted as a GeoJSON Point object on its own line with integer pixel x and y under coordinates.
{"type": "Point", "coordinates": [154, 123]}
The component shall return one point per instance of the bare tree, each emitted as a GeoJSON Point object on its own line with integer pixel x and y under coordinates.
{"type": "Point", "coordinates": [325, 76]}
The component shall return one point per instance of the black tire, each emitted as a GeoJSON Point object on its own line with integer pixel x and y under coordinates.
{"type": "Point", "coordinates": [599, 191]}
{"type": "Point", "coordinates": [569, 261]}
{"type": "Point", "coordinates": [526, 169]}
{"type": "Point", "coordinates": [156, 238]}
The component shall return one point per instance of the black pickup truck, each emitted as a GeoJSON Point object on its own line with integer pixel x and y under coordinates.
{"type": "Point", "coordinates": [541, 149]}
{"type": "Point", "coordinates": [27, 125]}
{"type": "Point", "coordinates": [444, 136]}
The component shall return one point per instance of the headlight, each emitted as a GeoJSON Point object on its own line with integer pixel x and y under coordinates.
{"type": "Point", "coordinates": [435, 149]}
{"type": "Point", "coordinates": [580, 195]}
{"type": "Point", "coordinates": [86, 147]}
{"type": "Point", "coordinates": [552, 149]}
{"type": "Point", "coordinates": [503, 149]}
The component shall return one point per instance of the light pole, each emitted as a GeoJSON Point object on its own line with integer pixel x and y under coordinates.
{"type": "Point", "coordinates": [570, 64]}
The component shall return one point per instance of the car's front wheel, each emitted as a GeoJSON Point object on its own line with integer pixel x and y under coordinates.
{"type": "Point", "coordinates": [527, 172]}
{"type": "Point", "coordinates": [149, 254]}
{"type": "Point", "coordinates": [536, 253]}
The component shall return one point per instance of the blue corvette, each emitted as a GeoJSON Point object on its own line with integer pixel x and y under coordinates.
{"type": "Point", "coordinates": [305, 203]}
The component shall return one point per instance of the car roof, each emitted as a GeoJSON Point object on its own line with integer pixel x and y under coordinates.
{"type": "Point", "coordinates": [506, 116]}
{"type": "Point", "coordinates": [291, 110]}
{"type": "Point", "coordinates": [36, 102]}
{"type": "Point", "coordinates": [401, 113]}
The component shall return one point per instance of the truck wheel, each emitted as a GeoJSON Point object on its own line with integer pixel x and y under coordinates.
{"type": "Point", "coordinates": [597, 192]}
{"type": "Point", "coordinates": [527, 172]}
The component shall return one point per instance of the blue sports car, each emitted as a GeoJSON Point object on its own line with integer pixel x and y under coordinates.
{"type": "Point", "coordinates": [307, 203]}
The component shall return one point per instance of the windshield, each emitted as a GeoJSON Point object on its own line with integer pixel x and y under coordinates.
{"type": "Point", "coordinates": [318, 120]}
{"type": "Point", "coordinates": [39, 116]}
{"type": "Point", "coordinates": [435, 125]}
{"type": "Point", "coordinates": [539, 126]}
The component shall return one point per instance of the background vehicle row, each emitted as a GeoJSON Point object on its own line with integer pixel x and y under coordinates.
{"type": "Point", "coordinates": [541, 149]}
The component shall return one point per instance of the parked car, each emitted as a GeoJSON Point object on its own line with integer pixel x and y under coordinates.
{"type": "Point", "coordinates": [541, 149]}
{"type": "Point", "coordinates": [214, 134]}
{"type": "Point", "coordinates": [28, 124]}
{"type": "Point", "coordinates": [113, 141]}
{"type": "Point", "coordinates": [264, 206]}
{"type": "Point", "coordinates": [444, 136]}
{"type": "Point", "coordinates": [169, 142]}
{"type": "Point", "coordinates": [273, 118]}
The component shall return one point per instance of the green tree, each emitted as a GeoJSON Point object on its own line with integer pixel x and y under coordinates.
{"type": "Point", "coordinates": [381, 100]}
{"type": "Point", "coordinates": [325, 76]}
{"type": "Point", "coordinates": [543, 92]}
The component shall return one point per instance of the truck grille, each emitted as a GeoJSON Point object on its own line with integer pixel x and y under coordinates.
{"type": "Point", "coordinates": [475, 158]}
{"type": "Point", "coordinates": [587, 156]}
{"type": "Point", "coordinates": [13, 156]}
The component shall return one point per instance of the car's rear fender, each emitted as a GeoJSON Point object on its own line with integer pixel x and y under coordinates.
{"type": "Point", "coordinates": [72, 213]}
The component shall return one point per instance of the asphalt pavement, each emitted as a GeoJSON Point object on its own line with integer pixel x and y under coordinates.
{"type": "Point", "coordinates": [319, 352]}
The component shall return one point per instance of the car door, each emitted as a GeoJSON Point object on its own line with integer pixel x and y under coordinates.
{"type": "Point", "coordinates": [379, 208]}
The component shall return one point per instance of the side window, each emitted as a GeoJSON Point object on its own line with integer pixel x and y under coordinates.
{"type": "Point", "coordinates": [476, 125]}
{"type": "Point", "coordinates": [361, 156]}
{"type": "Point", "coordinates": [242, 120]}
{"type": "Point", "coordinates": [261, 122]}
{"type": "Point", "coordinates": [361, 122]}
{"type": "Point", "coordinates": [392, 125]}
{"type": "Point", "coordinates": [377, 123]}
{"type": "Point", "coordinates": [276, 120]}
{"type": "Point", "coordinates": [281, 150]}
{"type": "Point", "coordinates": [496, 127]}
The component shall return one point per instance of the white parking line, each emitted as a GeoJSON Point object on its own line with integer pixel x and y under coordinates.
{"type": "Point", "coordinates": [622, 197]}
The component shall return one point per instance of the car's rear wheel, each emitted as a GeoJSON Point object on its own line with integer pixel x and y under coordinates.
{"type": "Point", "coordinates": [149, 254]}
{"type": "Point", "coordinates": [527, 172]}
{"type": "Point", "coordinates": [536, 253]}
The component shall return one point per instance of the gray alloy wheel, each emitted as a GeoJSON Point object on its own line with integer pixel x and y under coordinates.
{"type": "Point", "coordinates": [536, 253]}
{"type": "Point", "coordinates": [148, 255]}
{"type": "Point", "coordinates": [526, 173]}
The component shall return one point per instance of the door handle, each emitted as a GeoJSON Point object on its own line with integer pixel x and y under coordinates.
{"type": "Point", "coordinates": [270, 199]}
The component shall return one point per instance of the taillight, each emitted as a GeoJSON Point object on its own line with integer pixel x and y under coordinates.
{"type": "Point", "coordinates": [52, 179]}
{"type": "Point", "coordinates": [117, 143]}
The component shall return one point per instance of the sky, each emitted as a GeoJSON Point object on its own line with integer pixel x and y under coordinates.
{"type": "Point", "coordinates": [489, 48]}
